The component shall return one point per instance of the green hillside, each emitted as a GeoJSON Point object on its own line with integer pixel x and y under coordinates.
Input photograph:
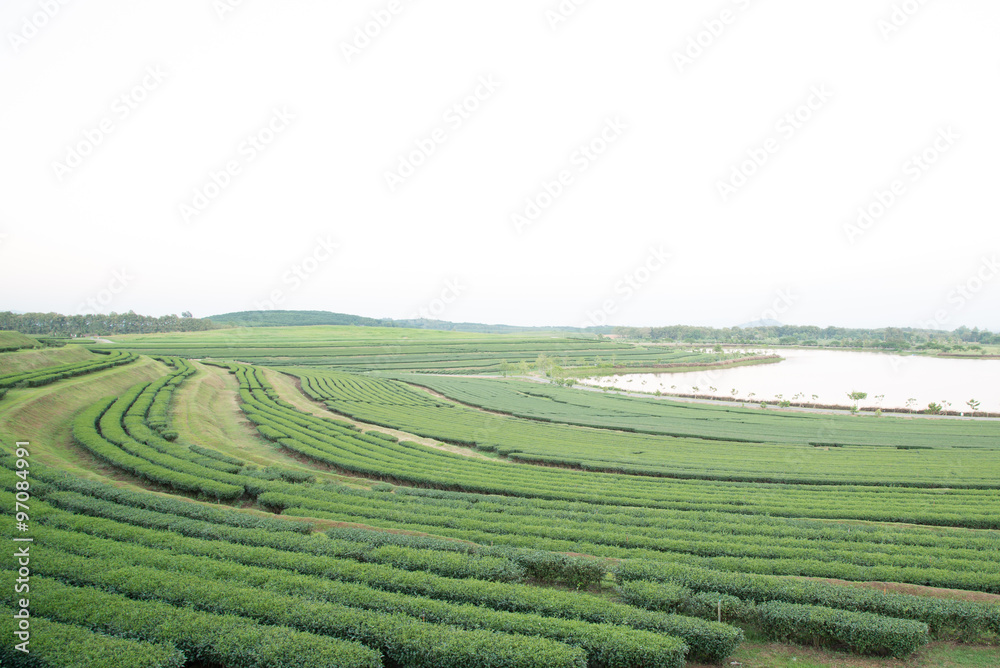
{"type": "Point", "coordinates": [16, 341]}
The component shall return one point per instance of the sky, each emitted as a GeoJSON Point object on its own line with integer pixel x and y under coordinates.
{"type": "Point", "coordinates": [531, 163]}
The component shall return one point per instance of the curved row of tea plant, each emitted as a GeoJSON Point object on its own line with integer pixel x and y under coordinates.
{"type": "Point", "coordinates": [372, 508]}
{"type": "Point", "coordinates": [404, 639]}
{"type": "Point", "coordinates": [295, 563]}
{"type": "Point", "coordinates": [549, 567]}
{"type": "Point", "coordinates": [57, 645]}
{"type": "Point", "coordinates": [227, 640]}
{"type": "Point", "coordinates": [340, 444]}
{"type": "Point", "coordinates": [605, 645]}
{"type": "Point", "coordinates": [376, 349]}
{"type": "Point", "coordinates": [131, 432]}
{"type": "Point", "coordinates": [608, 642]}
{"type": "Point", "coordinates": [300, 563]}
{"type": "Point", "coordinates": [677, 584]}
{"type": "Point", "coordinates": [50, 374]}
{"type": "Point", "coordinates": [930, 564]}
{"type": "Point", "coordinates": [53, 481]}
{"type": "Point", "coordinates": [553, 403]}
{"type": "Point", "coordinates": [407, 552]}
{"type": "Point", "coordinates": [861, 632]}
{"type": "Point", "coordinates": [681, 532]}
{"type": "Point", "coordinates": [537, 531]}
{"type": "Point", "coordinates": [312, 555]}
{"type": "Point", "coordinates": [946, 617]}
{"type": "Point", "coordinates": [337, 444]}
{"type": "Point", "coordinates": [139, 459]}
{"type": "Point", "coordinates": [681, 452]}
{"type": "Point", "coordinates": [100, 537]}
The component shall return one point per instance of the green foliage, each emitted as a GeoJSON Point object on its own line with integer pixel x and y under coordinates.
{"type": "Point", "coordinates": [763, 331]}
{"type": "Point", "coordinates": [664, 597]}
{"type": "Point", "coordinates": [576, 572]}
{"type": "Point", "coordinates": [605, 645]}
{"type": "Point", "coordinates": [626, 433]}
{"type": "Point", "coordinates": [226, 640]}
{"type": "Point", "coordinates": [282, 473]}
{"type": "Point", "coordinates": [721, 542]}
{"type": "Point", "coordinates": [55, 324]}
{"type": "Point", "coordinates": [278, 318]}
{"type": "Point", "coordinates": [338, 445]}
{"type": "Point", "coordinates": [709, 604]}
{"type": "Point", "coordinates": [861, 632]}
{"type": "Point", "coordinates": [61, 481]}
{"type": "Point", "coordinates": [139, 459]}
{"type": "Point", "coordinates": [428, 601]}
{"type": "Point", "coordinates": [11, 341]}
{"type": "Point", "coordinates": [404, 639]}
{"type": "Point", "coordinates": [367, 349]}
{"type": "Point", "coordinates": [945, 617]}
{"type": "Point", "coordinates": [703, 637]}
{"type": "Point", "coordinates": [51, 374]}
{"type": "Point", "coordinates": [511, 563]}
{"type": "Point", "coordinates": [57, 645]}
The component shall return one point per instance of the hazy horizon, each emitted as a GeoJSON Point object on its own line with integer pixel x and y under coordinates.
{"type": "Point", "coordinates": [552, 326]}
{"type": "Point", "coordinates": [531, 164]}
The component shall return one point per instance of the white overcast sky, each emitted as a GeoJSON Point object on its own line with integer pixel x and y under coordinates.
{"type": "Point", "coordinates": [101, 193]}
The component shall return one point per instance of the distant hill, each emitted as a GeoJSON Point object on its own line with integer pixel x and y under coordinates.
{"type": "Point", "coordinates": [295, 319]}
{"type": "Point", "coordinates": [443, 325]}
{"type": "Point", "coordinates": [308, 318]}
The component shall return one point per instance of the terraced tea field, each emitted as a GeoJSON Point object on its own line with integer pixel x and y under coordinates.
{"type": "Point", "coordinates": [252, 499]}
{"type": "Point", "coordinates": [371, 348]}
{"type": "Point", "coordinates": [536, 422]}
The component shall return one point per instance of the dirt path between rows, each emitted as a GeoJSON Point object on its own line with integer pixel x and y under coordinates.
{"type": "Point", "coordinates": [290, 389]}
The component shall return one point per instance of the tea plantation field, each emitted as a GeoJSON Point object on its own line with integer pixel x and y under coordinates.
{"type": "Point", "coordinates": [258, 498]}
{"type": "Point", "coordinates": [361, 349]}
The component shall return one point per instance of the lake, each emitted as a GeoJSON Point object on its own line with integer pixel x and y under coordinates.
{"type": "Point", "coordinates": [832, 374]}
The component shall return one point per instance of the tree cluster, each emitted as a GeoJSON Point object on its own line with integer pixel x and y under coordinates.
{"type": "Point", "coordinates": [56, 324]}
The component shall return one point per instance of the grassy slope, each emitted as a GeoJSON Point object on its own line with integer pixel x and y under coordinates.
{"type": "Point", "coordinates": [42, 415]}
{"type": "Point", "coordinates": [26, 360]}
{"type": "Point", "coordinates": [290, 389]}
{"type": "Point", "coordinates": [10, 339]}
{"type": "Point", "coordinates": [206, 412]}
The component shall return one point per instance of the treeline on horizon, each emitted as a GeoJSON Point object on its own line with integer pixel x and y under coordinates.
{"type": "Point", "coordinates": [307, 318]}
{"type": "Point", "coordinates": [58, 325]}
{"type": "Point", "coordinates": [807, 335]}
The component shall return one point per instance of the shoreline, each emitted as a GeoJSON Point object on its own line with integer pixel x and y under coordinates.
{"type": "Point", "coordinates": [909, 352]}
{"type": "Point", "coordinates": [795, 406]}
{"type": "Point", "coordinates": [802, 406]}
{"type": "Point", "coordinates": [676, 367]}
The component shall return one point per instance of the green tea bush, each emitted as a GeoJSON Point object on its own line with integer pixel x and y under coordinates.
{"type": "Point", "coordinates": [862, 632]}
